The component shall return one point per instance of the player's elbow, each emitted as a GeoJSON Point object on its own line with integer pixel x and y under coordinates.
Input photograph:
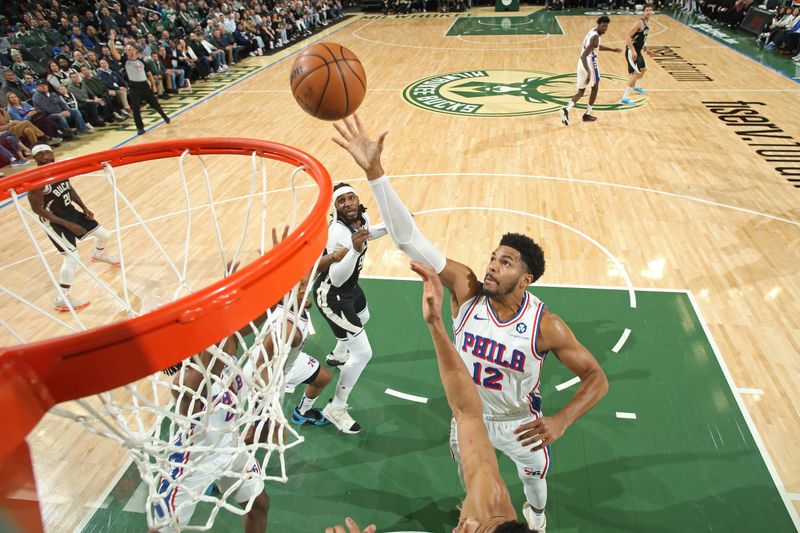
{"type": "Point", "coordinates": [601, 381]}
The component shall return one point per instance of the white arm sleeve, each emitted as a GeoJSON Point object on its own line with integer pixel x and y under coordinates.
{"type": "Point", "coordinates": [401, 227]}
{"type": "Point", "coordinates": [377, 231]}
{"type": "Point", "coordinates": [341, 271]}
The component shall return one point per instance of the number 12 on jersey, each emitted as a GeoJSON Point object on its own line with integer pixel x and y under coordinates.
{"type": "Point", "coordinates": [491, 376]}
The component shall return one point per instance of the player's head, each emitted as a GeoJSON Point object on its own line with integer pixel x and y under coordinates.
{"type": "Point", "coordinates": [647, 11]}
{"type": "Point", "coordinates": [43, 154]}
{"type": "Point", "coordinates": [348, 207]}
{"type": "Point", "coordinates": [602, 24]}
{"type": "Point", "coordinates": [512, 526]}
{"type": "Point", "coordinates": [471, 525]}
{"type": "Point", "coordinates": [514, 265]}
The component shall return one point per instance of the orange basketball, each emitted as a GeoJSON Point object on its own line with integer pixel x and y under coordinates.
{"type": "Point", "coordinates": [328, 81]}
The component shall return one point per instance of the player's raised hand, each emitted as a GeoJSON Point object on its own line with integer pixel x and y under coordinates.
{"type": "Point", "coordinates": [432, 292]}
{"type": "Point", "coordinates": [352, 527]}
{"type": "Point", "coordinates": [275, 239]}
{"type": "Point", "coordinates": [365, 151]}
{"type": "Point", "coordinates": [543, 431]}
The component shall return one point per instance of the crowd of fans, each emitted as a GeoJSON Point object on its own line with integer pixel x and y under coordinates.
{"type": "Point", "coordinates": [781, 34]}
{"type": "Point", "coordinates": [63, 66]}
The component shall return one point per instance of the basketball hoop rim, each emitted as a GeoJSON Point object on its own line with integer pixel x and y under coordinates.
{"type": "Point", "coordinates": [47, 372]}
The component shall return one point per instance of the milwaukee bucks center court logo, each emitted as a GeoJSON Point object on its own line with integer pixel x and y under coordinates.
{"type": "Point", "coordinates": [503, 93]}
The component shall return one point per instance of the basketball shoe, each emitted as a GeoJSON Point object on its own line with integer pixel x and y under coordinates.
{"type": "Point", "coordinates": [536, 523]}
{"type": "Point", "coordinates": [564, 116]}
{"type": "Point", "coordinates": [341, 419]}
{"type": "Point", "coordinates": [589, 118]}
{"type": "Point", "coordinates": [102, 257]}
{"type": "Point", "coordinates": [62, 305]}
{"type": "Point", "coordinates": [337, 360]}
{"type": "Point", "coordinates": [627, 101]}
{"type": "Point", "coordinates": [312, 417]}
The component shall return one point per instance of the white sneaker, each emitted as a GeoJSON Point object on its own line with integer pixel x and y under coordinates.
{"type": "Point", "coordinates": [64, 305]}
{"type": "Point", "coordinates": [536, 523]}
{"type": "Point", "coordinates": [341, 419]}
{"type": "Point", "coordinates": [333, 360]}
{"type": "Point", "coordinates": [102, 257]}
{"type": "Point", "coordinates": [89, 127]}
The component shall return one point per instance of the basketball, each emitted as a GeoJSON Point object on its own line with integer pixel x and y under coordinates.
{"type": "Point", "coordinates": [328, 81]}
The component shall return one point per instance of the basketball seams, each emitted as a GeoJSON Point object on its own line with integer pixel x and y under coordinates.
{"type": "Point", "coordinates": [325, 90]}
{"type": "Point", "coordinates": [362, 82]}
{"type": "Point", "coordinates": [313, 70]}
{"type": "Point", "coordinates": [341, 75]}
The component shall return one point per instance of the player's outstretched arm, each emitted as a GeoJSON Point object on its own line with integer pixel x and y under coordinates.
{"type": "Point", "coordinates": [457, 277]}
{"type": "Point", "coordinates": [487, 495]}
{"type": "Point", "coordinates": [555, 335]}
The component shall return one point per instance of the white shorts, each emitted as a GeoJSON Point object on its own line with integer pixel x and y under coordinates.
{"type": "Point", "coordinates": [303, 369]}
{"type": "Point", "coordinates": [502, 437]}
{"type": "Point", "coordinates": [594, 75]}
{"type": "Point", "coordinates": [179, 498]}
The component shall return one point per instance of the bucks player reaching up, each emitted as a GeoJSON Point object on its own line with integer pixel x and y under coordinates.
{"type": "Point", "coordinates": [502, 333]}
{"type": "Point", "coordinates": [55, 205]}
{"type": "Point", "coordinates": [636, 43]}
{"type": "Point", "coordinates": [588, 71]}
{"type": "Point", "coordinates": [342, 302]}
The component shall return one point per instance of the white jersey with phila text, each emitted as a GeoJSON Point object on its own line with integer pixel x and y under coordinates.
{"type": "Point", "coordinates": [587, 42]}
{"type": "Point", "coordinates": [502, 357]}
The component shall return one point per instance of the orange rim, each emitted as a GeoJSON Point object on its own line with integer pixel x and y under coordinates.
{"type": "Point", "coordinates": [41, 374]}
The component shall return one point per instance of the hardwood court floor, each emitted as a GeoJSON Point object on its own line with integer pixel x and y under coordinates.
{"type": "Point", "coordinates": [665, 195]}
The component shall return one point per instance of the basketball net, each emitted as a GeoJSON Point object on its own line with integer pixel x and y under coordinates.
{"type": "Point", "coordinates": [218, 418]}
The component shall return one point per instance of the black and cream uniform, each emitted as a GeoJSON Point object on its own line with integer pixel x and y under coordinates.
{"type": "Point", "coordinates": [58, 200]}
{"type": "Point", "coordinates": [639, 39]}
{"type": "Point", "coordinates": [341, 300]}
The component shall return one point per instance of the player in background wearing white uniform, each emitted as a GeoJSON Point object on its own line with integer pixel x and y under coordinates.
{"type": "Point", "coordinates": [635, 44]}
{"type": "Point", "coordinates": [502, 332]}
{"type": "Point", "coordinates": [588, 74]}
{"type": "Point", "coordinates": [342, 302]}
{"type": "Point", "coordinates": [55, 205]}
{"type": "Point", "coordinates": [193, 472]}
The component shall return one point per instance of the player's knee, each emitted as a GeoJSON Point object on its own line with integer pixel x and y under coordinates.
{"type": "Point", "coordinates": [260, 504]}
{"type": "Point", "coordinates": [359, 347]}
{"type": "Point", "coordinates": [323, 378]}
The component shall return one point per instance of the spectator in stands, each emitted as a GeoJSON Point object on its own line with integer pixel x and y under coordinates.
{"type": "Point", "coordinates": [55, 76]}
{"type": "Point", "coordinates": [23, 129]}
{"type": "Point", "coordinates": [12, 84]}
{"type": "Point", "coordinates": [64, 118]}
{"type": "Point", "coordinates": [786, 23]}
{"type": "Point", "coordinates": [111, 108]}
{"type": "Point", "coordinates": [19, 66]}
{"type": "Point", "coordinates": [74, 109]}
{"type": "Point", "coordinates": [153, 65]}
{"type": "Point", "coordinates": [79, 61]}
{"type": "Point", "coordinates": [24, 111]}
{"type": "Point", "coordinates": [115, 84]}
{"type": "Point", "coordinates": [12, 143]}
{"type": "Point", "coordinates": [175, 76]}
{"type": "Point", "coordinates": [90, 105]}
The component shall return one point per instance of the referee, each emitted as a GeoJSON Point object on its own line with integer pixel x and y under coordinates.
{"type": "Point", "coordinates": [140, 82]}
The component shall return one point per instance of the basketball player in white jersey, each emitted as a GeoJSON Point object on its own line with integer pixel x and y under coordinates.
{"type": "Point", "coordinates": [193, 471]}
{"type": "Point", "coordinates": [55, 205]}
{"type": "Point", "coordinates": [588, 74]}
{"type": "Point", "coordinates": [502, 333]}
{"type": "Point", "coordinates": [636, 43]}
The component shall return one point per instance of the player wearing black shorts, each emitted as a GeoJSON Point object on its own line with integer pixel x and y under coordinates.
{"type": "Point", "coordinates": [636, 44]}
{"type": "Point", "coordinates": [66, 225]}
{"type": "Point", "coordinates": [342, 302]}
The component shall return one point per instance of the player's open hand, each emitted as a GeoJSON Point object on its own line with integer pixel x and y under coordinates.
{"type": "Point", "coordinates": [432, 292]}
{"type": "Point", "coordinates": [365, 151]}
{"type": "Point", "coordinates": [75, 228]}
{"type": "Point", "coordinates": [543, 431]}
{"type": "Point", "coordinates": [352, 527]}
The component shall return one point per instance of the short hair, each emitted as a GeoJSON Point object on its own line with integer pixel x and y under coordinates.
{"type": "Point", "coordinates": [647, 4]}
{"type": "Point", "coordinates": [603, 19]}
{"type": "Point", "coordinates": [531, 253]}
{"type": "Point", "coordinates": [512, 526]}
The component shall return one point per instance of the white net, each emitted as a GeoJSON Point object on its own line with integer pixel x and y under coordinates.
{"type": "Point", "coordinates": [213, 430]}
